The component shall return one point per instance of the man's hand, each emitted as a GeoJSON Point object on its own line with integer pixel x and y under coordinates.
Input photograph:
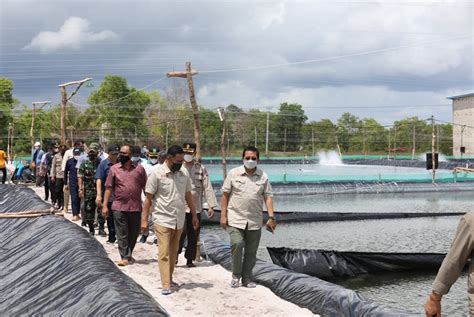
{"type": "Point", "coordinates": [53, 179]}
{"type": "Point", "coordinates": [210, 213]}
{"type": "Point", "coordinates": [224, 223]}
{"type": "Point", "coordinates": [105, 211]}
{"type": "Point", "coordinates": [81, 193]}
{"type": "Point", "coordinates": [195, 222]}
{"type": "Point", "coordinates": [144, 226]}
{"type": "Point", "coordinates": [98, 201]}
{"type": "Point", "coordinates": [66, 188]}
{"type": "Point", "coordinates": [271, 224]}
{"type": "Point", "coordinates": [433, 306]}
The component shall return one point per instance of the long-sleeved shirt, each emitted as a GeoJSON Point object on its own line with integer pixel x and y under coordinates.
{"type": "Point", "coordinates": [70, 173]}
{"type": "Point", "coordinates": [461, 250]}
{"type": "Point", "coordinates": [200, 184]}
{"type": "Point", "coordinates": [56, 166]}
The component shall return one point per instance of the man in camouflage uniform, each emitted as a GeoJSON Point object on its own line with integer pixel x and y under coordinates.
{"type": "Point", "coordinates": [200, 186]}
{"type": "Point", "coordinates": [88, 190]}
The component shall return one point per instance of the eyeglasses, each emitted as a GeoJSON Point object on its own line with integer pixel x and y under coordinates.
{"type": "Point", "coordinates": [253, 158]}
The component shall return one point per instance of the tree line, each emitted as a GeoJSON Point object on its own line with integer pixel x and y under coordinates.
{"type": "Point", "coordinates": [119, 113]}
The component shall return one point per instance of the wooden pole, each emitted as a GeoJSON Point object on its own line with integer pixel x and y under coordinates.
{"type": "Point", "coordinates": [32, 124]}
{"type": "Point", "coordinates": [312, 139]}
{"type": "Point", "coordinates": [414, 144]}
{"type": "Point", "coordinates": [266, 137]}
{"type": "Point", "coordinates": [284, 143]}
{"type": "Point", "coordinates": [433, 142]}
{"type": "Point", "coordinates": [223, 150]}
{"type": "Point", "coordinates": [188, 74]}
{"type": "Point", "coordinates": [64, 100]}
{"type": "Point", "coordinates": [9, 142]}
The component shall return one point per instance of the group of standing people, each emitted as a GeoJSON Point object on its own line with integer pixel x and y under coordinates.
{"type": "Point", "coordinates": [163, 191]}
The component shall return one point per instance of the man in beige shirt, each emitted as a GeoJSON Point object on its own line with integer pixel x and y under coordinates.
{"type": "Point", "coordinates": [200, 185]}
{"type": "Point", "coordinates": [168, 190]}
{"type": "Point", "coordinates": [244, 191]}
{"type": "Point", "coordinates": [461, 250]}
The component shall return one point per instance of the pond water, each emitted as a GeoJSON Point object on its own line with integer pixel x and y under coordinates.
{"type": "Point", "coordinates": [406, 291]}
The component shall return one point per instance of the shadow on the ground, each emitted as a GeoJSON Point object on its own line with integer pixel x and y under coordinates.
{"type": "Point", "coordinates": [196, 285]}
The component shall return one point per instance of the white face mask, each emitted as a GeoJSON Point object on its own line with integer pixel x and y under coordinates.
{"type": "Point", "coordinates": [188, 157]}
{"type": "Point", "coordinates": [250, 164]}
{"type": "Point", "coordinates": [77, 157]}
{"type": "Point", "coordinates": [153, 161]}
{"type": "Point", "coordinates": [135, 158]}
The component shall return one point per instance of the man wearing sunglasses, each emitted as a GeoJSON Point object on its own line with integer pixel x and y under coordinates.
{"type": "Point", "coordinates": [244, 191]}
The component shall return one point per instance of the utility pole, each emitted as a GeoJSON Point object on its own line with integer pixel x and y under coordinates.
{"type": "Point", "coordinates": [167, 134]}
{"type": "Point", "coordinates": [437, 138]}
{"type": "Point", "coordinates": [389, 142]}
{"type": "Point", "coordinates": [221, 112]}
{"type": "Point", "coordinates": [266, 137]}
{"type": "Point", "coordinates": [9, 142]}
{"type": "Point", "coordinates": [312, 139]}
{"type": "Point", "coordinates": [462, 136]}
{"type": "Point", "coordinates": [255, 135]}
{"type": "Point", "coordinates": [433, 141]}
{"type": "Point", "coordinates": [395, 143]}
{"type": "Point", "coordinates": [284, 142]}
{"type": "Point", "coordinates": [413, 143]}
{"type": "Point", "coordinates": [33, 115]}
{"type": "Point", "coordinates": [188, 74]}
{"type": "Point", "coordinates": [65, 99]}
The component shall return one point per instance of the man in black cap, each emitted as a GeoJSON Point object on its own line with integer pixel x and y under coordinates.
{"type": "Point", "coordinates": [200, 186]}
{"type": "Point", "coordinates": [70, 183]}
{"type": "Point", "coordinates": [101, 176]}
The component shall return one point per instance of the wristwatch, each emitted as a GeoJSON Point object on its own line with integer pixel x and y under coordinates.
{"type": "Point", "coordinates": [272, 218]}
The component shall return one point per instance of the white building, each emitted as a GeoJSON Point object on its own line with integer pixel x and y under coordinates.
{"type": "Point", "coordinates": [463, 124]}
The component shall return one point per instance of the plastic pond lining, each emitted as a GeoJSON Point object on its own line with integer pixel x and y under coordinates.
{"type": "Point", "coordinates": [52, 267]}
{"type": "Point", "coordinates": [319, 296]}
{"type": "Point", "coordinates": [336, 264]}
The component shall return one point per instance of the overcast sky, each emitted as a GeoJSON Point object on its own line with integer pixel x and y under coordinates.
{"type": "Point", "coordinates": [381, 59]}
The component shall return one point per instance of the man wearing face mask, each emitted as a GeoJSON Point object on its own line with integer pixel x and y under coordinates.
{"type": "Point", "coordinates": [101, 177]}
{"type": "Point", "coordinates": [87, 188]}
{"type": "Point", "coordinates": [244, 191]}
{"type": "Point", "coordinates": [153, 161]}
{"type": "Point", "coordinates": [127, 181]}
{"type": "Point", "coordinates": [137, 158]}
{"type": "Point", "coordinates": [57, 175]}
{"type": "Point", "coordinates": [36, 156]}
{"type": "Point", "coordinates": [200, 185]}
{"type": "Point", "coordinates": [168, 191]}
{"type": "Point", "coordinates": [70, 183]}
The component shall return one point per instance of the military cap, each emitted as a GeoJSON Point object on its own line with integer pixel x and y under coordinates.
{"type": "Point", "coordinates": [189, 147]}
{"type": "Point", "coordinates": [94, 147]}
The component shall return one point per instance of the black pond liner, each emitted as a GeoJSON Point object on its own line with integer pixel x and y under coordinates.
{"type": "Point", "coordinates": [295, 216]}
{"type": "Point", "coordinates": [52, 267]}
{"type": "Point", "coordinates": [336, 264]}
{"type": "Point", "coordinates": [320, 297]}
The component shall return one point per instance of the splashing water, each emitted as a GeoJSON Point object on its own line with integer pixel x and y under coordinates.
{"type": "Point", "coordinates": [329, 158]}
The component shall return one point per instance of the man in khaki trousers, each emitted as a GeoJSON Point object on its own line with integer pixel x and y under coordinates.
{"type": "Point", "coordinates": [168, 190]}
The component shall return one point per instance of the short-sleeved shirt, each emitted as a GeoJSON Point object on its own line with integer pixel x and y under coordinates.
{"type": "Point", "coordinates": [168, 190]}
{"type": "Point", "coordinates": [127, 185]}
{"type": "Point", "coordinates": [3, 159]}
{"type": "Point", "coordinates": [200, 186]}
{"type": "Point", "coordinates": [102, 173]}
{"type": "Point", "coordinates": [247, 194]}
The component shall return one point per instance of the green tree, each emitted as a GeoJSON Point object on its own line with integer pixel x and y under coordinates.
{"type": "Point", "coordinates": [121, 108]}
{"type": "Point", "coordinates": [7, 103]}
{"type": "Point", "coordinates": [289, 126]}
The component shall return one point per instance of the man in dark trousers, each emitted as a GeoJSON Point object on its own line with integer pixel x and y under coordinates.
{"type": "Point", "coordinates": [127, 181]}
{"type": "Point", "coordinates": [200, 187]}
{"type": "Point", "coordinates": [101, 177]}
{"type": "Point", "coordinates": [87, 188]}
{"type": "Point", "coordinates": [70, 183]}
{"type": "Point", "coordinates": [57, 175]}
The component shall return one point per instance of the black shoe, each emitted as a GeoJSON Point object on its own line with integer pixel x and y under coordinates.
{"type": "Point", "coordinates": [102, 232]}
{"type": "Point", "coordinates": [155, 241]}
{"type": "Point", "coordinates": [109, 241]}
{"type": "Point", "coordinates": [190, 264]}
{"type": "Point", "coordinates": [83, 224]}
{"type": "Point", "coordinates": [143, 238]}
{"type": "Point", "coordinates": [91, 229]}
